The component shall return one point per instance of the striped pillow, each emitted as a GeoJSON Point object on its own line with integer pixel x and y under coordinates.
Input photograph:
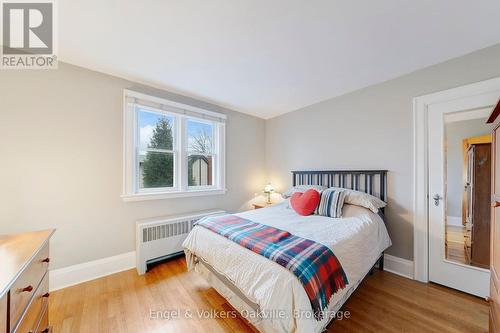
{"type": "Point", "coordinates": [331, 203]}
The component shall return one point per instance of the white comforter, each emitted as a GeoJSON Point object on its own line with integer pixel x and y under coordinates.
{"type": "Point", "coordinates": [357, 240]}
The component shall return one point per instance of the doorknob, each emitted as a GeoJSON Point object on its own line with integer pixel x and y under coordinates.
{"type": "Point", "coordinates": [436, 198]}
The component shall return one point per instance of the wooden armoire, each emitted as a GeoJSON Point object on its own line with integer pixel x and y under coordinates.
{"type": "Point", "coordinates": [494, 298]}
{"type": "Point", "coordinates": [478, 193]}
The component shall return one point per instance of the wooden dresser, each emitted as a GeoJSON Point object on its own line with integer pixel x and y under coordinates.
{"type": "Point", "coordinates": [478, 193]}
{"type": "Point", "coordinates": [24, 282]}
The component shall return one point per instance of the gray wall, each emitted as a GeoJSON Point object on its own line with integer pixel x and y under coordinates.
{"type": "Point", "coordinates": [370, 128]}
{"type": "Point", "coordinates": [456, 132]}
{"type": "Point", "coordinates": [61, 162]}
{"type": "Point", "coordinates": [61, 152]}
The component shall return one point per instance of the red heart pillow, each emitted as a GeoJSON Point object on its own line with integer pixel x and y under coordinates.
{"type": "Point", "coordinates": [305, 203]}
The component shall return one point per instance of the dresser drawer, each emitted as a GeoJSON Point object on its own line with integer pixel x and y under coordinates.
{"type": "Point", "coordinates": [33, 317]}
{"type": "Point", "coordinates": [25, 286]}
{"type": "Point", "coordinates": [3, 314]}
{"type": "Point", "coordinates": [43, 325]}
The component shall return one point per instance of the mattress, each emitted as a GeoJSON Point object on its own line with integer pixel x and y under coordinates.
{"type": "Point", "coordinates": [357, 239]}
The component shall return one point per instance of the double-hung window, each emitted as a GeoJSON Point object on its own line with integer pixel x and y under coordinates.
{"type": "Point", "coordinates": [171, 149]}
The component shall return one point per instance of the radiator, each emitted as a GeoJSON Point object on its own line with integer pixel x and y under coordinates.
{"type": "Point", "coordinates": [161, 237]}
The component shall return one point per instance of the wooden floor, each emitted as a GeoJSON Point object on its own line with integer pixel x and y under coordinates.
{"type": "Point", "coordinates": [384, 302]}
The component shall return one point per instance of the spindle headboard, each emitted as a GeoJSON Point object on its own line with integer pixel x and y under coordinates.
{"type": "Point", "coordinates": [373, 182]}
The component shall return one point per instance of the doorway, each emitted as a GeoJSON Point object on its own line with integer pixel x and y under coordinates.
{"type": "Point", "coordinates": [451, 229]}
{"type": "Point", "coordinates": [467, 179]}
{"type": "Point", "coordinates": [452, 186]}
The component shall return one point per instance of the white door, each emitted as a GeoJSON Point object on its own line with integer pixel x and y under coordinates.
{"type": "Point", "coordinates": [449, 124]}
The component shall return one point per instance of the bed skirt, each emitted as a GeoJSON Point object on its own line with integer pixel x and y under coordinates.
{"type": "Point", "coordinates": [244, 305]}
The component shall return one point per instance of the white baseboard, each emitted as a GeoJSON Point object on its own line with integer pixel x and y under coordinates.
{"type": "Point", "coordinates": [398, 266]}
{"type": "Point", "coordinates": [454, 220]}
{"type": "Point", "coordinates": [71, 275]}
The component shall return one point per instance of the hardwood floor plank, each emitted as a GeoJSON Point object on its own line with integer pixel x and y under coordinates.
{"type": "Point", "coordinates": [384, 302]}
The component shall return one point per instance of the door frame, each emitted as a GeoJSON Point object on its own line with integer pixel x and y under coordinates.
{"type": "Point", "coordinates": [460, 97]}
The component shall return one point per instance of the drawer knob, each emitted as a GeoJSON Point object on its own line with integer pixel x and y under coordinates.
{"type": "Point", "coordinates": [47, 260]}
{"type": "Point", "coordinates": [46, 295]}
{"type": "Point", "coordinates": [27, 289]}
{"type": "Point", "coordinates": [47, 330]}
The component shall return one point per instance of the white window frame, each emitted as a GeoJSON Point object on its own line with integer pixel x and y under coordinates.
{"type": "Point", "coordinates": [181, 113]}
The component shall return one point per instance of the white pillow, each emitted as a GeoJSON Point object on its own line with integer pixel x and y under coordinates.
{"type": "Point", "coordinates": [362, 199]}
{"type": "Point", "coordinates": [302, 189]}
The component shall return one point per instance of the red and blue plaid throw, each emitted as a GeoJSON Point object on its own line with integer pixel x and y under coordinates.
{"type": "Point", "coordinates": [314, 264]}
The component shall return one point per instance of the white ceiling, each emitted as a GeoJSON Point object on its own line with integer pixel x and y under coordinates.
{"type": "Point", "coordinates": [268, 57]}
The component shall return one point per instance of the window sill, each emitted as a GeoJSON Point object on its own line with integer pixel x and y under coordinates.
{"type": "Point", "coordinates": [170, 195]}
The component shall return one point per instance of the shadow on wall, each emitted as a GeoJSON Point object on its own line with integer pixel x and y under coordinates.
{"type": "Point", "coordinates": [398, 221]}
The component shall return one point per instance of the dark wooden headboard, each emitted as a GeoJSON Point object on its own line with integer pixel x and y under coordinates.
{"type": "Point", "coordinates": [373, 182]}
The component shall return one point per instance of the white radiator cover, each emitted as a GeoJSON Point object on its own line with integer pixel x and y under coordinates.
{"type": "Point", "coordinates": [161, 237]}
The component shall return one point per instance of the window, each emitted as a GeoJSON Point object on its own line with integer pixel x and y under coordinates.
{"type": "Point", "coordinates": [171, 150]}
{"type": "Point", "coordinates": [200, 152]}
{"type": "Point", "coordinates": [155, 151]}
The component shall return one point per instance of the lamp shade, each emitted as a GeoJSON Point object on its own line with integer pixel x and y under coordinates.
{"type": "Point", "coordinates": [269, 188]}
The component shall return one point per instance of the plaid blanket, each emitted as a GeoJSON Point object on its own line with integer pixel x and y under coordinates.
{"type": "Point", "coordinates": [314, 264]}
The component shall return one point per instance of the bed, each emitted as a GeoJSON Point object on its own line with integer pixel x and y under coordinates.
{"type": "Point", "coordinates": [268, 295]}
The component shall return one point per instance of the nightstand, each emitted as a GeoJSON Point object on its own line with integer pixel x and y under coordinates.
{"type": "Point", "coordinates": [261, 205]}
